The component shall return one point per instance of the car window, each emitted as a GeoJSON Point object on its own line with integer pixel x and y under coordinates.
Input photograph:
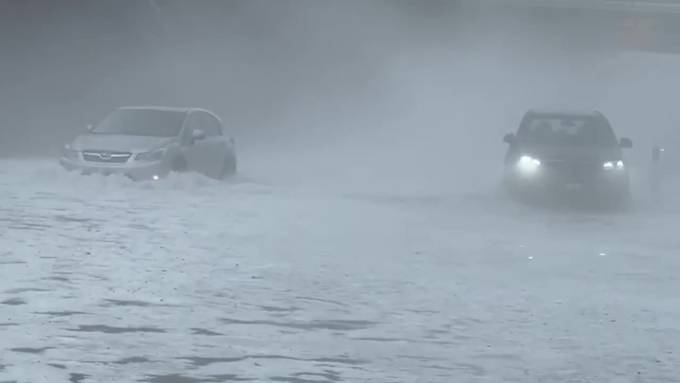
{"type": "Point", "coordinates": [210, 125]}
{"type": "Point", "coordinates": [142, 122]}
{"type": "Point", "coordinates": [193, 122]}
{"type": "Point", "coordinates": [567, 131]}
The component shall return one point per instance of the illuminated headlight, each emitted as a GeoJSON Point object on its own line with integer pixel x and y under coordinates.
{"type": "Point", "coordinates": [70, 153]}
{"type": "Point", "coordinates": [155, 155]}
{"type": "Point", "coordinates": [528, 165]}
{"type": "Point", "coordinates": [614, 165]}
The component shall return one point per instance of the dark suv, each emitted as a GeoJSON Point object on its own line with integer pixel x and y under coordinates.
{"type": "Point", "coordinates": [555, 153]}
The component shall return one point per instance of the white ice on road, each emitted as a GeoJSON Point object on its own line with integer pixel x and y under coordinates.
{"type": "Point", "coordinates": [189, 279]}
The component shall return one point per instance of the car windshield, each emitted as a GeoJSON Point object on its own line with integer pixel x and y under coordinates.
{"type": "Point", "coordinates": [567, 131]}
{"type": "Point", "coordinates": [142, 122]}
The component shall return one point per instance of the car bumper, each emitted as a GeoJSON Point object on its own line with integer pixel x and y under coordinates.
{"type": "Point", "coordinates": [600, 186]}
{"type": "Point", "coordinates": [140, 171]}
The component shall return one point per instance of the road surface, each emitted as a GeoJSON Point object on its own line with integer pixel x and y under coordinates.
{"type": "Point", "coordinates": [194, 280]}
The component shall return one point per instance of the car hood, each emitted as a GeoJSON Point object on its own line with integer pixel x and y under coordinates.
{"type": "Point", "coordinates": [119, 143]}
{"type": "Point", "coordinates": [571, 153]}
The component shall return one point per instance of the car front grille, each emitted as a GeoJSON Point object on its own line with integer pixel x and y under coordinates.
{"type": "Point", "coordinates": [574, 170]}
{"type": "Point", "coordinates": [104, 156]}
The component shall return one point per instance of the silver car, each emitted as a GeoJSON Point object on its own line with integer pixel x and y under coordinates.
{"type": "Point", "coordinates": [150, 142]}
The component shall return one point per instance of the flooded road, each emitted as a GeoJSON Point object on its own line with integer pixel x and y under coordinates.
{"type": "Point", "coordinates": [193, 280]}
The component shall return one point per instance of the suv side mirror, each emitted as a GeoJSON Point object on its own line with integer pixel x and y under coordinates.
{"type": "Point", "coordinates": [197, 134]}
{"type": "Point", "coordinates": [509, 138]}
{"type": "Point", "coordinates": [626, 143]}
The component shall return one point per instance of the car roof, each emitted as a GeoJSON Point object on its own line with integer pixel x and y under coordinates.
{"type": "Point", "coordinates": [166, 109]}
{"type": "Point", "coordinates": [565, 112]}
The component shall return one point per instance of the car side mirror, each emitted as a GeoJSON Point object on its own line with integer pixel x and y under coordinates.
{"type": "Point", "coordinates": [197, 134]}
{"type": "Point", "coordinates": [626, 143]}
{"type": "Point", "coordinates": [657, 152]}
{"type": "Point", "coordinates": [509, 138]}
{"type": "Point", "coordinates": [90, 127]}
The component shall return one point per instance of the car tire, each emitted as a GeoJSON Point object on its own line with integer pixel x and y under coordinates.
{"type": "Point", "coordinates": [229, 167]}
{"type": "Point", "coordinates": [178, 165]}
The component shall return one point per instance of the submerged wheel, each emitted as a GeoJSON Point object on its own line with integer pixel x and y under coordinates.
{"type": "Point", "coordinates": [178, 164]}
{"type": "Point", "coordinates": [229, 167]}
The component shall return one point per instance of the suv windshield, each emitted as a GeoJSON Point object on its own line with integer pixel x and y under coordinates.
{"type": "Point", "coordinates": [567, 131]}
{"type": "Point", "coordinates": [141, 122]}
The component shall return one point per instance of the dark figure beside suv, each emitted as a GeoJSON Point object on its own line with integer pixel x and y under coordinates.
{"type": "Point", "coordinates": [559, 154]}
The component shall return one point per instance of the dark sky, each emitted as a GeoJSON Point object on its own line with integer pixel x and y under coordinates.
{"type": "Point", "coordinates": [260, 64]}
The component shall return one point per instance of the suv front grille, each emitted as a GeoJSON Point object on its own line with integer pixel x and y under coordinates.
{"type": "Point", "coordinates": [574, 170]}
{"type": "Point", "coordinates": [106, 156]}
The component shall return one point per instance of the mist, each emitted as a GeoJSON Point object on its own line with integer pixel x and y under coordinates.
{"type": "Point", "coordinates": [363, 227]}
{"type": "Point", "coordinates": [370, 90]}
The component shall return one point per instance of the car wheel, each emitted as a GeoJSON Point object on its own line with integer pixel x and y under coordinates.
{"type": "Point", "coordinates": [178, 165]}
{"type": "Point", "coordinates": [229, 167]}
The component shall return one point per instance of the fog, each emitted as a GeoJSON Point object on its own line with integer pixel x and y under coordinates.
{"type": "Point", "coordinates": [369, 90]}
{"type": "Point", "coordinates": [366, 236]}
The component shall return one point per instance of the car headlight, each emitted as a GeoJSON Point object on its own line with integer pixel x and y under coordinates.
{"type": "Point", "coordinates": [70, 153]}
{"type": "Point", "coordinates": [614, 165]}
{"type": "Point", "coordinates": [154, 155]}
{"type": "Point", "coordinates": [528, 165]}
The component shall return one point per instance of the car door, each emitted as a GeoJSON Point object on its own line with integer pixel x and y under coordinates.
{"type": "Point", "coordinates": [216, 144]}
{"type": "Point", "coordinates": [196, 150]}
